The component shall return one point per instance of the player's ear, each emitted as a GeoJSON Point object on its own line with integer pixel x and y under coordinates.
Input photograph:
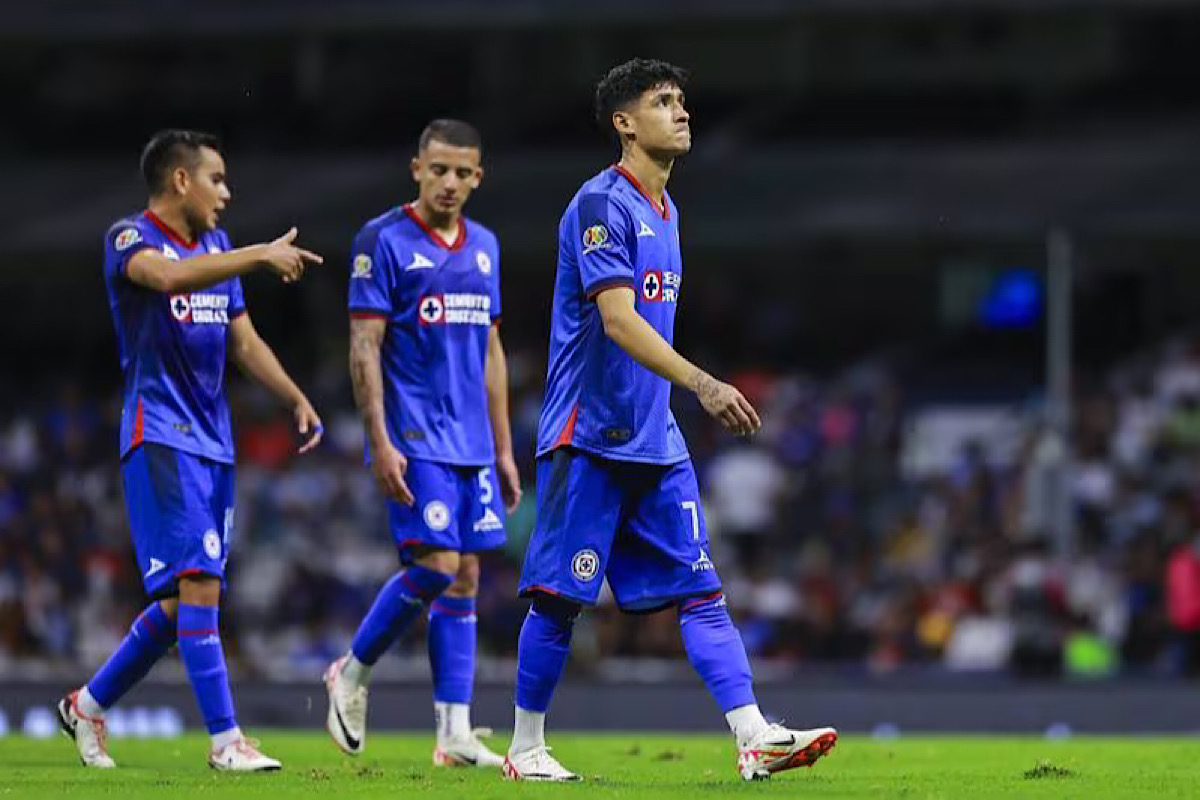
{"type": "Point", "coordinates": [181, 180]}
{"type": "Point", "coordinates": [476, 179]}
{"type": "Point", "coordinates": [415, 167]}
{"type": "Point", "coordinates": [623, 122]}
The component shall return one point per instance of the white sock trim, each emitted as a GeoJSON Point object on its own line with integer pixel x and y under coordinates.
{"type": "Point", "coordinates": [745, 722]}
{"type": "Point", "coordinates": [355, 671]}
{"type": "Point", "coordinates": [88, 704]}
{"type": "Point", "coordinates": [225, 738]}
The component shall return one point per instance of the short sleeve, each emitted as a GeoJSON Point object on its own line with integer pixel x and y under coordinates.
{"type": "Point", "coordinates": [120, 243]}
{"type": "Point", "coordinates": [237, 300]}
{"type": "Point", "coordinates": [370, 275]}
{"type": "Point", "coordinates": [601, 249]}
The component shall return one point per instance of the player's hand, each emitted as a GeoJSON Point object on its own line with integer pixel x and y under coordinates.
{"type": "Point", "coordinates": [510, 481]}
{"type": "Point", "coordinates": [388, 465]}
{"type": "Point", "coordinates": [309, 424]}
{"type": "Point", "coordinates": [725, 403]}
{"type": "Point", "coordinates": [287, 260]}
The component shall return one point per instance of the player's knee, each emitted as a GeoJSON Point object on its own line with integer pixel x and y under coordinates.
{"type": "Point", "coordinates": [169, 606]}
{"type": "Point", "coordinates": [443, 561]}
{"type": "Point", "coordinates": [200, 590]}
{"type": "Point", "coordinates": [466, 582]}
{"type": "Point", "coordinates": [559, 609]}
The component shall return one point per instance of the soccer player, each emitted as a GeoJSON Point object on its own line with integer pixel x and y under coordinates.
{"type": "Point", "coordinates": [176, 300]}
{"type": "Point", "coordinates": [430, 381]}
{"type": "Point", "coordinates": [616, 492]}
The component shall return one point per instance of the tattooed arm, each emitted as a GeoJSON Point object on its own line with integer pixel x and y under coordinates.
{"type": "Point", "coordinates": [638, 338]}
{"type": "Point", "coordinates": [388, 464]}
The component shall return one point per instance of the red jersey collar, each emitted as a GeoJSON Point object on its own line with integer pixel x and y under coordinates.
{"type": "Point", "coordinates": [169, 231]}
{"type": "Point", "coordinates": [663, 211]}
{"type": "Point", "coordinates": [459, 241]}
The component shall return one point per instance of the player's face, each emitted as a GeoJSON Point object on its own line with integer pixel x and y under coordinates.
{"type": "Point", "coordinates": [658, 121]}
{"type": "Point", "coordinates": [205, 192]}
{"type": "Point", "coordinates": [446, 176]}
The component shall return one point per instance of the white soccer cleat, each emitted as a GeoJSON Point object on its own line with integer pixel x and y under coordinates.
{"type": "Point", "coordinates": [776, 749]}
{"type": "Point", "coordinates": [347, 718]}
{"type": "Point", "coordinates": [242, 755]}
{"type": "Point", "coordinates": [536, 764]}
{"type": "Point", "coordinates": [90, 734]}
{"type": "Point", "coordinates": [467, 752]}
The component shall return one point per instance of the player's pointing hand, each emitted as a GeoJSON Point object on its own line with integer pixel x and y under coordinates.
{"type": "Point", "coordinates": [286, 259]}
{"type": "Point", "coordinates": [726, 403]}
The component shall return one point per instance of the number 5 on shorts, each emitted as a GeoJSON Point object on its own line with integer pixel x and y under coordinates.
{"type": "Point", "coordinates": [485, 485]}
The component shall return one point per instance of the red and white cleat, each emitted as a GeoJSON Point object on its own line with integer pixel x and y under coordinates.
{"type": "Point", "coordinates": [777, 748]}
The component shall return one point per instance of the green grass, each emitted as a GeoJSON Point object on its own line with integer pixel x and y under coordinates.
{"type": "Point", "coordinates": [625, 766]}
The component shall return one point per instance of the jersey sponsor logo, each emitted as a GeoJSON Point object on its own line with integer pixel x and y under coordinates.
{"type": "Point", "coordinates": [661, 286]}
{"type": "Point", "coordinates": [419, 262]}
{"type": "Point", "coordinates": [212, 544]}
{"type": "Point", "coordinates": [595, 238]}
{"type": "Point", "coordinates": [490, 521]}
{"type": "Point", "coordinates": [645, 230]}
{"type": "Point", "coordinates": [362, 266]}
{"type": "Point", "coordinates": [201, 308]}
{"type": "Point", "coordinates": [455, 308]}
{"type": "Point", "coordinates": [585, 565]}
{"type": "Point", "coordinates": [156, 567]}
{"type": "Point", "coordinates": [127, 239]}
{"type": "Point", "coordinates": [170, 253]}
{"type": "Point", "coordinates": [484, 262]}
{"type": "Point", "coordinates": [437, 516]}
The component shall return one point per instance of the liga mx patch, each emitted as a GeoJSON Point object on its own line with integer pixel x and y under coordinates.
{"type": "Point", "coordinates": [595, 238]}
{"type": "Point", "coordinates": [585, 565]}
{"type": "Point", "coordinates": [362, 266]}
{"type": "Point", "coordinates": [127, 239]}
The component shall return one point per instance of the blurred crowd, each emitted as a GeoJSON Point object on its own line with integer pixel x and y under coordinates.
{"type": "Point", "coordinates": [835, 544]}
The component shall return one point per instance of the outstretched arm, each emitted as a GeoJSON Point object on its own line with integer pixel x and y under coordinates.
{"type": "Point", "coordinates": [257, 360]}
{"type": "Point", "coordinates": [630, 331]}
{"type": "Point", "coordinates": [152, 269]}
{"type": "Point", "coordinates": [496, 380]}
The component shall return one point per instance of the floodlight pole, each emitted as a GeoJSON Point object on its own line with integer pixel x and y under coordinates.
{"type": "Point", "coordinates": [1059, 257]}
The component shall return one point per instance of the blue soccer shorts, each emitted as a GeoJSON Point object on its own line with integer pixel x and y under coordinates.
{"type": "Point", "coordinates": [456, 508]}
{"type": "Point", "coordinates": [181, 513]}
{"type": "Point", "coordinates": [638, 525]}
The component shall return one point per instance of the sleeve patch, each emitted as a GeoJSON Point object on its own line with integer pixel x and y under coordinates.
{"type": "Point", "coordinates": [127, 239]}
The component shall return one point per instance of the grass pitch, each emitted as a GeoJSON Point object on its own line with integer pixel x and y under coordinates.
{"type": "Point", "coordinates": [634, 766]}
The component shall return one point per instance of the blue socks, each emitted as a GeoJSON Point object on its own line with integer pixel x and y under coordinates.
{"type": "Point", "coordinates": [542, 651]}
{"type": "Point", "coordinates": [149, 638]}
{"type": "Point", "coordinates": [398, 603]}
{"type": "Point", "coordinates": [715, 650]}
{"type": "Point", "coordinates": [452, 648]}
{"type": "Point", "coordinates": [204, 658]}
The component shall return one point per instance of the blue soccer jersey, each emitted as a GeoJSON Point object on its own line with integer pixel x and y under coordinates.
{"type": "Point", "coordinates": [173, 347]}
{"type": "Point", "coordinates": [439, 301]}
{"type": "Point", "coordinates": [598, 399]}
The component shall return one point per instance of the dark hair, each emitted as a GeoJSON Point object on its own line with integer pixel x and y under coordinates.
{"type": "Point", "coordinates": [453, 132]}
{"type": "Point", "coordinates": [625, 83]}
{"type": "Point", "coordinates": [170, 149]}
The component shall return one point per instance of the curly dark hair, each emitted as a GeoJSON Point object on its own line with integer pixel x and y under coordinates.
{"type": "Point", "coordinates": [625, 83]}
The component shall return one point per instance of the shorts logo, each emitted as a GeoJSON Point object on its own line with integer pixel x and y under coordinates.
{"type": "Point", "coordinates": [212, 544]}
{"type": "Point", "coordinates": [127, 239]}
{"type": "Point", "coordinates": [437, 516]}
{"type": "Point", "coordinates": [585, 565]}
{"type": "Point", "coordinates": [484, 262]}
{"type": "Point", "coordinates": [431, 309]}
{"type": "Point", "coordinates": [362, 266]}
{"type": "Point", "coordinates": [652, 286]}
{"type": "Point", "coordinates": [595, 238]}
